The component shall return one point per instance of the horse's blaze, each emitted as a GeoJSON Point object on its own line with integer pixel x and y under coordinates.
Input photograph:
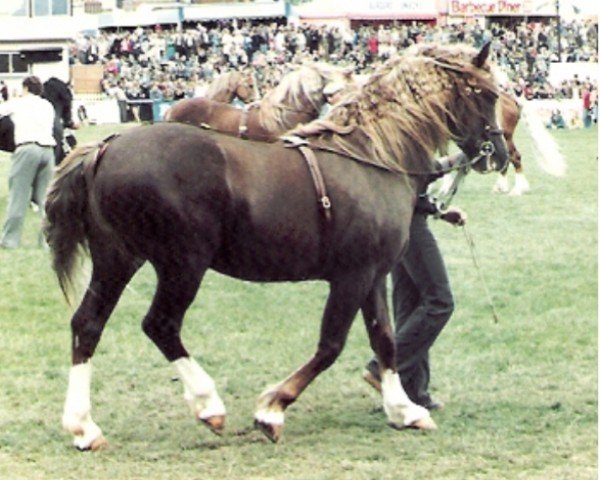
{"type": "Point", "coordinates": [216, 423]}
{"type": "Point", "coordinates": [272, 431]}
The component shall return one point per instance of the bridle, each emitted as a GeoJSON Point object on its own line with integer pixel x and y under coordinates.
{"type": "Point", "coordinates": [487, 149]}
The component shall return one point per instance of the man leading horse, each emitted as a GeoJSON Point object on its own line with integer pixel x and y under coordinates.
{"type": "Point", "coordinates": [60, 96]}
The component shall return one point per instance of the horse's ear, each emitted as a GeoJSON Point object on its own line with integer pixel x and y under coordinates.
{"type": "Point", "coordinates": [482, 56]}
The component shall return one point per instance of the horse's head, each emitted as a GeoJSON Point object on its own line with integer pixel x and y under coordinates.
{"type": "Point", "coordinates": [473, 120]}
{"type": "Point", "coordinates": [299, 96]}
{"type": "Point", "coordinates": [332, 81]}
{"type": "Point", "coordinates": [245, 87]}
{"type": "Point", "coordinates": [307, 87]}
{"type": "Point", "coordinates": [230, 85]}
{"type": "Point", "coordinates": [338, 80]}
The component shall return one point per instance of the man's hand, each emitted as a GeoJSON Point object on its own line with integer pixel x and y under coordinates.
{"type": "Point", "coordinates": [454, 216]}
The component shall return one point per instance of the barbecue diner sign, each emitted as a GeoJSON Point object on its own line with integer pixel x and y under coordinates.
{"type": "Point", "coordinates": [501, 7]}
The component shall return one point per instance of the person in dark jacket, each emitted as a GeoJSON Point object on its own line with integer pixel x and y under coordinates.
{"type": "Point", "coordinates": [421, 297]}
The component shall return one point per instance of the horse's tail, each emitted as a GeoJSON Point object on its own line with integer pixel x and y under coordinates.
{"type": "Point", "coordinates": [550, 159]}
{"type": "Point", "coordinates": [66, 207]}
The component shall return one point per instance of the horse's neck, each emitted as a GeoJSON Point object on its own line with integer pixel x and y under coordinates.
{"type": "Point", "coordinates": [223, 97]}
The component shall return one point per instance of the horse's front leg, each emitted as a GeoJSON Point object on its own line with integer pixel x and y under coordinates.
{"type": "Point", "coordinates": [400, 410]}
{"type": "Point", "coordinates": [201, 394]}
{"type": "Point", "coordinates": [343, 303]}
{"type": "Point", "coordinates": [177, 287]}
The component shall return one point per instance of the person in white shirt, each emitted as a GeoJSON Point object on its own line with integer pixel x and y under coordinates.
{"type": "Point", "coordinates": [32, 161]}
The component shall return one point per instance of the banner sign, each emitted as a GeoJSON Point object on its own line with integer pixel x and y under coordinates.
{"type": "Point", "coordinates": [486, 8]}
{"type": "Point", "coordinates": [389, 9]}
{"type": "Point", "coordinates": [394, 6]}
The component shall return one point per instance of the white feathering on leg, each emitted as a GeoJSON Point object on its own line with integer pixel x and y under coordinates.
{"type": "Point", "coordinates": [521, 185]}
{"type": "Point", "coordinates": [400, 410]}
{"type": "Point", "coordinates": [77, 417]}
{"type": "Point", "coordinates": [199, 389]}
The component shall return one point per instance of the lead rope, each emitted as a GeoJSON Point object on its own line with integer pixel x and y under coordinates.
{"type": "Point", "coordinates": [471, 245]}
{"type": "Point", "coordinates": [442, 201]}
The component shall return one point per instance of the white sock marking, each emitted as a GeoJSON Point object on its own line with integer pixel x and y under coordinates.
{"type": "Point", "coordinates": [199, 389]}
{"type": "Point", "coordinates": [399, 409]}
{"type": "Point", "coordinates": [77, 417]}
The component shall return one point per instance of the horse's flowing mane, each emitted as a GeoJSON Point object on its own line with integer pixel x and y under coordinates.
{"type": "Point", "coordinates": [399, 118]}
{"type": "Point", "coordinates": [299, 91]}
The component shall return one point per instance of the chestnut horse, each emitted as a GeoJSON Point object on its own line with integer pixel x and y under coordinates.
{"type": "Point", "coordinates": [231, 85]}
{"type": "Point", "coordinates": [297, 99]}
{"type": "Point", "coordinates": [547, 155]}
{"type": "Point", "coordinates": [509, 112]}
{"type": "Point", "coordinates": [188, 200]}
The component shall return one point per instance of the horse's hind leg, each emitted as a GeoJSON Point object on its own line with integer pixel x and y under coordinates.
{"type": "Point", "coordinates": [109, 277]}
{"type": "Point", "coordinates": [400, 410]}
{"type": "Point", "coordinates": [178, 283]}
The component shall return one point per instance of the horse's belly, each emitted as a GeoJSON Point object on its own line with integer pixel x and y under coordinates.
{"type": "Point", "coordinates": [269, 252]}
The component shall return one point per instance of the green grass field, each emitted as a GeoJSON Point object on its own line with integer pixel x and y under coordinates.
{"type": "Point", "coordinates": [521, 395]}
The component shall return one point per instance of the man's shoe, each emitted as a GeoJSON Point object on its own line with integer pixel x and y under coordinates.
{"type": "Point", "coordinates": [372, 379]}
{"type": "Point", "coordinates": [433, 405]}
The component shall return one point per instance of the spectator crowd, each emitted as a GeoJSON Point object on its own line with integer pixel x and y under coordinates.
{"type": "Point", "coordinates": [163, 63]}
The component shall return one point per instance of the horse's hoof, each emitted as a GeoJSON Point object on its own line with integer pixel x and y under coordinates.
{"type": "Point", "coordinates": [216, 423]}
{"type": "Point", "coordinates": [99, 443]}
{"type": "Point", "coordinates": [272, 432]}
{"type": "Point", "coordinates": [424, 424]}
